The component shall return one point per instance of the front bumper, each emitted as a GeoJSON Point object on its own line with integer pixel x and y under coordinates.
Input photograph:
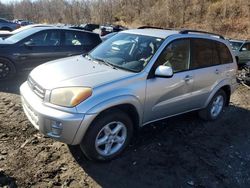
{"type": "Point", "coordinates": [63, 126]}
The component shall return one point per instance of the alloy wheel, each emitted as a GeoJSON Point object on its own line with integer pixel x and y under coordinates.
{"type": "Point", "coordinates": [111, 138]}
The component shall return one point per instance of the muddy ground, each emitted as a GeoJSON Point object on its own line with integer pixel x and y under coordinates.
{"type": "Point", "coordinates": [178, 152]}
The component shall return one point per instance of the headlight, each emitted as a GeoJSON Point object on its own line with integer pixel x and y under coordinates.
{"type": "Point", "coordinates": [70, 96]}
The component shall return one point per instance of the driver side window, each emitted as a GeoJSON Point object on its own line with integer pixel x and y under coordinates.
{"type": "Point", "coordinates": [176, 55]}
{"type": "Point", "coordinates": [45, 38]}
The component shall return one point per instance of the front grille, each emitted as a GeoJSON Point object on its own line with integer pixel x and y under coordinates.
{"type": "Point", "coordinates": [38, 90]}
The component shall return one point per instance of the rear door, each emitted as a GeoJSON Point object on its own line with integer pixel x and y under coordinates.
{"type": "Point", "coordinates": [170, 96]}
{"type": "Point", "coordinates": [210, 65]}
{"type": "Point", "coordinates": [79, 42]}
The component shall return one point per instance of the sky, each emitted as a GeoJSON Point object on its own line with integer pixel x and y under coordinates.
{"type": "Point", "coordinates": [8, 1]}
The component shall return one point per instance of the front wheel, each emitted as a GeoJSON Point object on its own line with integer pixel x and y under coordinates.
{"type": "Point", "coordinates": [7, 69]}
{"type": "Point", "coordinates": [107, 136]}
{"type": "Point", "coordinates": [215, 108]}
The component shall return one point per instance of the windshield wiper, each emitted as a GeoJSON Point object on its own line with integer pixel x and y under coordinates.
{"type": "Point", "coordinates": [104, 62]}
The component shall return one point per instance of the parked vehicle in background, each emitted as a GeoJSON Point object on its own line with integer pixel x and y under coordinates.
{"type": "Point", "coordinates": [241, 49]}
{"type": "Point", "coordinates": [32, 47]}
{"type": "Point", "coordinates": [7, 25]}
{"type": "Point", "coordinates": [86, 27]}
{"type": "Point", "coordinates": [108, 36]}
{"type": "Point", "coordinates": [90, 27]}
{"type": "Point", "coordinates": [106, 29]}
{"type": "Point", "coordinates": [5, 34]}
{"type": "Point", "coordinates": [22, 22]}
{"type": "Point", "coordinates": [134, 78]}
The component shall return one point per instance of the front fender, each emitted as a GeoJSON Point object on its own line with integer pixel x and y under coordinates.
{"type": "Point", "coordinates": [116, 101]}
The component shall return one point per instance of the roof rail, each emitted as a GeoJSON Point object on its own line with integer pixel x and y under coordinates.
{"type": "Point", "coordinates": [186, 31]}
{"type": "Point", "coordinates": [152, 27]}
{"type": "Point", "coordinates": [149, 27]}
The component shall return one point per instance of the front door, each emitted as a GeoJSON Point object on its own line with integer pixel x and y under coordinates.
{"type": "Point", "coordinates": [40, 48]}
{"type": "Point", "coordinates": [170, 96]}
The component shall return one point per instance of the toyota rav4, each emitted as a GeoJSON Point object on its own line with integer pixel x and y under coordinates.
{"type": "Point", "coordinates": [136, 77]}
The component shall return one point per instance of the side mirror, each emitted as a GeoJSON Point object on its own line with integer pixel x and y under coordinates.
{"type": "Point", "coordinates": [164, 71]}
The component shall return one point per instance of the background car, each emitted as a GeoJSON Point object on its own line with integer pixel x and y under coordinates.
{"type": "Point", "coordinates": [108, 36]}
{"type": "Point", "coordinates": [7, 25]}
{"type": "Point", "coordinates": [5, 34]}
{"type": "Point", "coordinates": [241, 49]}
{"type": "Point", "coordinates": [30, 48]}
{"type": "Point", "coordinates": [22, 22]}
{"type": "Point", "coordinates": [106, 29]}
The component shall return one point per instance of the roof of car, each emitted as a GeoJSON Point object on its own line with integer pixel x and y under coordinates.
{"type": "Point", "coordinates": [35, 29]}
{"type": "Point", "coordinates": [160, 33]}
{"type": "Point", "coordinates": [164, 33]}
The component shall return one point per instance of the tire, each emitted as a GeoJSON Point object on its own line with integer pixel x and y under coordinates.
{"type": "Point", "coordinates": [215, 108]}
{"type": "Point", "coordinates": [7, 69]}
{"type": "Point", "coordinates": [102, 130]}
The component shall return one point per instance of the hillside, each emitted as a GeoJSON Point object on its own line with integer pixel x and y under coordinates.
{"type": "Point", "coordinates": [227, 17]}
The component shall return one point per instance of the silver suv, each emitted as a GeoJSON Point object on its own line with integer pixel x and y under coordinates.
{"type": "Point", "coordinates": [132, 79]}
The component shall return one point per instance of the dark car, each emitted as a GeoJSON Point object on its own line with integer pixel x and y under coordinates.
{"type": "Point", "coordinates": [7, 25]}
{"type": "Point", "coordinates": [22, 22]}
{"type": "Point", "coordinates": [87, 27]}
{"type": "Point", "coordinates": [106, 37]}
{"type": "Point", "coordinates": [106, 29]}
{"type": "Point", "coordinates": [90, 27]}
{"type": "Point", "coordinates": [30, 48]}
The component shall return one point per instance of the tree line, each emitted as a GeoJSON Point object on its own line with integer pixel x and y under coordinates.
{"type": "Point", "coordinates": [227, 17]}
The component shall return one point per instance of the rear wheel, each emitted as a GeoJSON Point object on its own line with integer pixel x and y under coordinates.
{"type": "Point", "coordinates": [215, 108]}
{"type": "Point", "coordinates": [107, 136]}
{"type": "Point", "coordinates": [7, 69]}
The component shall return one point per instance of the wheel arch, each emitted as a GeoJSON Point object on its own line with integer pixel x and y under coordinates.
{"type": "Point", "coordinates": [226, 88]}
{"type": "Point", "coordinates": [127, 108]}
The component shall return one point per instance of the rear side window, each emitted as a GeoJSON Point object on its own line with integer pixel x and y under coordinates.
{"type": "Point", "coordinates": [202, 53]}
{"type": "Point", "coordinates": [224, 53]}
{"type": "Point", "coordinates": [74, 38]}
{"type": "Point", "coordinates": [94, 38]}
{"type": "Point", "coordinates": [206, 53]}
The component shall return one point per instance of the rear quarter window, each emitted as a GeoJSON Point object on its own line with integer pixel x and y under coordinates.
{"type": "Point", "coordinates": [94, 38]}
{"type": "Point", "coordinates": [224, 53]}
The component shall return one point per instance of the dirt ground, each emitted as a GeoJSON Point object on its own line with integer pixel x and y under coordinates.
{"type": "Point", "coordinates": [178, 152]}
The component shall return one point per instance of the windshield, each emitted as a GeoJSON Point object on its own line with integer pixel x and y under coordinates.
{"type": "Point", "coordinates": [235, 45]}
{"type": "Point", "coordinates": [21, 35]}
{"type": "Point", "coordinates": [127, 51]}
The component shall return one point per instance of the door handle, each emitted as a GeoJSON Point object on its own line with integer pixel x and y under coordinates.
{"type": "Point", "coordinates": [188, 78]}
{"type": "Point", "coordinates": [217, 71]}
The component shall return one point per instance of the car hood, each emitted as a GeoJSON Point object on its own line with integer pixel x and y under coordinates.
{"type": "Point", "coordinates": [75, 71]}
